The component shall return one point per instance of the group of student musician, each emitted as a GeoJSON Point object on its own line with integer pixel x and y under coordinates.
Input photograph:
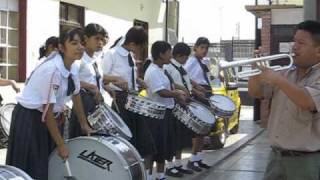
{"type": "Point", "coordinates": [75, 66]}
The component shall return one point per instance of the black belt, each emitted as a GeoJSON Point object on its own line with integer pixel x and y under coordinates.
{"type": "Point", "coordinates": [286, 153]}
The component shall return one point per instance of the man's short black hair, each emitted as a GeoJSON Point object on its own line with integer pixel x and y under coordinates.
{"type": "Point", "coordinates": [93, 29]}
{"type": "Point", "coordinates": [181, 49]}
{"type": "Point", "coordinates": [202, 40]}
{"type": "Point", "coordinates": [313, 27]}
{"type": "Point", "coordinates": [159, 47]}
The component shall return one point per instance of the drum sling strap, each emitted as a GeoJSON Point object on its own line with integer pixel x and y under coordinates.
{"type": "Point", "coordinates": [205, 70]}
{"type": "Point", "coordinates": [170, 79]}
{"type": "Point", "coordinates": [182, 72]}
{"type": "Point", "coordinates": [131, 64]}
{"type": "Point", "coordinates": [98, 76]}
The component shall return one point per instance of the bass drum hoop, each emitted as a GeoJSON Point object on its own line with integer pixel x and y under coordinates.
{"type": "Point", "coordinates": [14, 171]}
{"type": "Point", "coordinates": [105, 140]}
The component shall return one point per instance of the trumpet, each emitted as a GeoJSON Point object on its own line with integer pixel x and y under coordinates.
{"type": "Point", "coordinates": [263, 60]}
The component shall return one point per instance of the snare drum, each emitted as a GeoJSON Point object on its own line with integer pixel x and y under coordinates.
{"type": "Point", "coordinates": [105, 120]}
{"type": "Point", "coordinates": [11, 172]}
{"type": "Point", "coordinates": [5, 113]}
{"type": "Point", "coordinates": [222, 106]}
{"type": "Point", "coordinates": [97, 158]}
{"type": "Point", "coordinates": [197, 117]}
{"type": "Point", "coordinates": [145, 107]}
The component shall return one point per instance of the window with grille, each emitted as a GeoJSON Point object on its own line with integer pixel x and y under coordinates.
{"type": "Point", "coordinates": [9, 43]}
{"type": "Point", "coordinates": [71, 16]}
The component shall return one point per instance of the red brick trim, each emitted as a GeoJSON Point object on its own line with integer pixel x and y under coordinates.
{"type": "Point", "coordinates": [22, 40]}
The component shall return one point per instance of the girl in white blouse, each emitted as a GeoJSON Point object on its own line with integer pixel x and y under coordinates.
{"type": "Point", "coordinates": [34, 130]}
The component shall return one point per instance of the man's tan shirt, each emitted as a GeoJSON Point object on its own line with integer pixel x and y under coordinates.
{"type": "Point", "coordinates": [289, 126]}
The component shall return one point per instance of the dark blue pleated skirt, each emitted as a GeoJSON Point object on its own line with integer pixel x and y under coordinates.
{"type": "Point", "coordinates": [30, 143]}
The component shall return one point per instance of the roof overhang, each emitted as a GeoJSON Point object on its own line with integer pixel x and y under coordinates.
{"type": "Point", "coordinates": [259, 10]}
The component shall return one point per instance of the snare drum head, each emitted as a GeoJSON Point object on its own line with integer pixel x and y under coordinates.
{"type": "Point", "coordinates": [222, 102]}
{"type": "Point", "coordinates": [11, 172]}
{"type": "Point", "coordinates": [6, 113]}
{"type": "Point", "coordinates": [202, 112]}
{"type": "Point", "coordinates": [97, 158]}
{"type": "Point", "coordinates": [118, 122]}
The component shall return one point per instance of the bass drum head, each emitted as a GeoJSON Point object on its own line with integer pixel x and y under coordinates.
{"type": "Point", "coordinates": [98, 158]}
{"type": "Point", "coordinates": [124, 131]}
{"type": "Point", "coordinates": [223, 103]}
{"type": "Point", "coordinates": [202, 112]}
{"type": "Point", "coordinates": [6, 113]}
{"type": "Point", "coordinates": [11, 172]}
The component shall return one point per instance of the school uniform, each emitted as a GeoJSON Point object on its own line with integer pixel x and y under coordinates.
{"type": "Point", "coordinates": [30, 142]}
{"type": "Point", "coordinates": [119, 62]}
{"type": "Point", "coordinates": [89, 72]}
{"type": "Point", "coordinates": [198, 70]}
{"type": "Point", "coordinates": [181, 134]}
{"type": "Point", "coordinates": [157, 79]}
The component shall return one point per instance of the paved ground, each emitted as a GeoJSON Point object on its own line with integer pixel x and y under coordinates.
{"type": "Point", "coordinates": [248, 163]}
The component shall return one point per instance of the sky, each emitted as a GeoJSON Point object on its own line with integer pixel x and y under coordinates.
{"type": "Point", "coordinates": [215, 19]}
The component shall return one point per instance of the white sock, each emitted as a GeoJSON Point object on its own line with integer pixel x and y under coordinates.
{"type": "Point", "coordinates": [200, 156]}
{"type": "Point", "coordinates": [170, 165]}
{"type": "Point", "coordinates": [160, 175]}
{"type": "Point", "coordinates": [177, 163]}
{"type": "Point", "coordinates": [149, 177]}
{"type": "Point", "coordinates": [194, 158]}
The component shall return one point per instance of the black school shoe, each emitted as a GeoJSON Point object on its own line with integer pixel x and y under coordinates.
{"type": "Point", "coordinates": [184, 170]}
{"type": "Point", "coordinates": [191, 165]}
{"type": "Point", "coordinates": [173, 172]}
{"type": "Point", "coordinates": [203, 165]}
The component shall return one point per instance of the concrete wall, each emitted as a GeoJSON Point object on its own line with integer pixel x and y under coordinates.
{"type": "Point", "coordinates": [287, 16]}
{"type": "Point", "coordinates": [296, 2]}
{"type": "Point", "coordinates": [42, 22]}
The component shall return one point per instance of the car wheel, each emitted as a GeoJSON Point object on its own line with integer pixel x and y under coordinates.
{"type": "Point", "coordinates": [235, 129]}
{"type": "Point", "coordinates": [218, 140]}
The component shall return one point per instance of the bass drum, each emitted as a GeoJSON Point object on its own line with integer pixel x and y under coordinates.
{"type": "Point", "coordinates": [5, 122]}
{"type": "Point", "coordinates": [13, 173]}
{"type": "Point", "coordinates": [98, 158]}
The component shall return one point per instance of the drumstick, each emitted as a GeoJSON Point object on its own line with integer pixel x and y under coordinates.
{"type": "Point", "coordinates": [69, 175]}
{"type": "Point", "coordinates": [113, 95]}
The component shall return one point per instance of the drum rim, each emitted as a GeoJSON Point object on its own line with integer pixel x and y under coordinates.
{"type": "Point", "coordinates": [146, 99]}
{"type": "Point", "coordinates": [120, 120]}
{"type": "Point", "coordinates": [22, 173]}
{"type": "Point", "coordinates": [226, 97]}
{"type": "Point", "coordinates": [104, 141]}
{"type": "Point", "coordinates": [193, 118]}
{"type": "Point", "coordinates": [2, 109]}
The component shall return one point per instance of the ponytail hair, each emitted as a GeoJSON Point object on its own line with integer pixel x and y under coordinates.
{"type": "Point", "coordinates": [51, 41]}
{"type": "Point", "coordinates": [116, 42]}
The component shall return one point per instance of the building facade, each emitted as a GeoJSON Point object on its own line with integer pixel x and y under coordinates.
{"type": "Point", "coordinates": [26, 24]}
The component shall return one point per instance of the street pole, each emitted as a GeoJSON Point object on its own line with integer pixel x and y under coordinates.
{"type": "Point", "coordinates": [166, 25]}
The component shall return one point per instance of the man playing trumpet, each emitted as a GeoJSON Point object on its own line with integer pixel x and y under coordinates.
{"type": "Point", "coordinates": [294, 121]}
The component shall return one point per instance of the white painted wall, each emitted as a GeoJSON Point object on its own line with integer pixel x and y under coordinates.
{"type": "Point", "coordinates": [117, 16]}
{"type": "Point", "coordinates": [42, 22]}
{"type": "Point", "coordinates": [287, 16]}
